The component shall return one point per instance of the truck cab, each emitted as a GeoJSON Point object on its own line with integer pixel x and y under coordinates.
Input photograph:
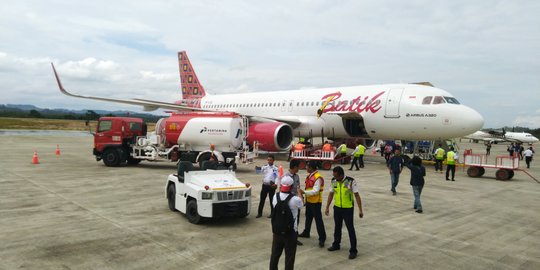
{"type": "Point", "coordinates": [113, 137]}
{"type": "Point", "coordinates": [213, 192]}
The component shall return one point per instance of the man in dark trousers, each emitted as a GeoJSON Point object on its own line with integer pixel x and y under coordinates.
{"type": "Point", "coordinates": [313, 193]}
{"type": "Point", "coordinates": [342, 189]}
{"type": "Point", "coordinates": [287, 241]}
{"type": "Point", "coordinates": [270, 173]}
{"type": "Point", "coordinates": [294, 166]}
{"type": "Point", "coordinates": [395, 166]}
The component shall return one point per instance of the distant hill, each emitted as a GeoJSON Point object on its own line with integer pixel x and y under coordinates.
{"type": "Point", "coordinates": [31, 111]}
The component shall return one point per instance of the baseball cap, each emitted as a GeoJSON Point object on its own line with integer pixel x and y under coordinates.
{"type": "Point", "coordinates": [286, 183]}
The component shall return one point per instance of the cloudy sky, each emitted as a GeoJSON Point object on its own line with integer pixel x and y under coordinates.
{"type": "Point", "coordinates": [486, 53]}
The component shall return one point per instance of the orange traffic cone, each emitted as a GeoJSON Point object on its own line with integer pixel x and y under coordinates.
{"type": "Point", "coordinates": [35, 159]}
{"type": "Point", "coordinates": [57, 150]}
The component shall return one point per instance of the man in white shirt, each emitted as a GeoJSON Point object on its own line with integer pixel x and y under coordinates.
{"type": "Point", "coordinates": [288, 241]}
{"type": "Point", "coordinates": [270, 173]}
{"type": "Point", "coordinates": [528, 156]}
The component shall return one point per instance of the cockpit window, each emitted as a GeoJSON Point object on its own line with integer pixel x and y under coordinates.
{"type": "Point", "coordinates": [451, 100]}
{"type": "Point", "coordinates": [427, 100]}
{"type": "Point", "coordinates": [438, 100]}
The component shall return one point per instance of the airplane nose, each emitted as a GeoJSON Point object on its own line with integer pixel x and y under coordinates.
{"type": "Point", "coordinates": [474, 120]}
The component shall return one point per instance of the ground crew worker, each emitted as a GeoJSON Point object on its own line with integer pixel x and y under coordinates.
{"type": "Point", "coordinates": [450, 163]}
{"type": "Point", "coordinates": [293, 173]}
{"type": "Point", "coordinates": [327, 147]}
{"type": "Point", "coordinates": [439, 157]}
{"type": "Point", "coordinates": [358, 157]}
{"type": "Point", "coordinates": [342, 149]}
{"type": "Point", "coordinates": [270, 173]}
{"type": "Point", "coordinates": [313, 194]}
{"type": "Point", "coordinates": [343, 188]}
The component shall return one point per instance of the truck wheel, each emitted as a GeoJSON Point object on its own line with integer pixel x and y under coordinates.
{"type": "Point", "coordinates": [111, 157]}
{"type": "Point", "coordinates": [171, 197]}
{"type": "Point", "coordinates": [191, 212]}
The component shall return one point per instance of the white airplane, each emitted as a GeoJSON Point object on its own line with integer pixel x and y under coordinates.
{"type": "Point", "coordinates": [495, 136]}
{"type": "Point", "coordinates": [385, 111]}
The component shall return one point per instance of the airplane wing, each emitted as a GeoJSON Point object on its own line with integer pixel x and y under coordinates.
{"type": "Point", "coordinates": [148, 105]}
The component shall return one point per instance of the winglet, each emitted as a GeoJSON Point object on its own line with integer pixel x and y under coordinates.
{"type": "Point", "coordinates": [59, 82]}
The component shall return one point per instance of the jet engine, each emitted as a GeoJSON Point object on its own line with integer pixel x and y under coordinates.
{"type": "Point", "coordinates": [271, 136]}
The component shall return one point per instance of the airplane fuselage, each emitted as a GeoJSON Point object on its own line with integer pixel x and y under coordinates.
{"type": "Point", "coordinates": [391, 111]}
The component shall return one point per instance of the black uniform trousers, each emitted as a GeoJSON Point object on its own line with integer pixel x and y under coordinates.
{"type": "Point", "coordinates": [313, 210]}
{"type": "Point", "coordinates": [450, 168]}
{"type": "Point", "coordinates": [280, 242]}
{"type": "Point", "coordinates": [266, 190]}
{"type": "Point", "coordinates": [347, 215]}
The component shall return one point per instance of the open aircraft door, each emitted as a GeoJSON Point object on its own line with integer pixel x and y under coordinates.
{"type": "Point", "coordinates": [393, 99]}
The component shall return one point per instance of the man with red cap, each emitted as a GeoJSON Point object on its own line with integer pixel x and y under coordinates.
{"type": "Point", "coordinates": [287, 239]}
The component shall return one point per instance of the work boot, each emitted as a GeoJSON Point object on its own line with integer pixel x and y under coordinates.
{"type": "Point", "coordinates": [304, 235]}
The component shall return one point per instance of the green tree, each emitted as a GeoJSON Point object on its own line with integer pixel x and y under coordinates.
{"type": "Point", "coordinates": [35, 114]}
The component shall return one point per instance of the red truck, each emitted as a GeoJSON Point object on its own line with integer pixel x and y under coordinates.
{"type": "Point", "coordinates": [194, 137]}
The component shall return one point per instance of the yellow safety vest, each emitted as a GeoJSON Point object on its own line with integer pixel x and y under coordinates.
{"type": "Point", "coordinates": [343, 148]}
{"type": "Point", "coordinates": [343, 195]}
{"type": "Point", "coordinates": [310, 182]}
{"type": "Point", "coordinates": [361, 149]}
{"type": "Point", "coordinates": [450, 158]}
{"type": "Point", "coordinates": [440, 153]}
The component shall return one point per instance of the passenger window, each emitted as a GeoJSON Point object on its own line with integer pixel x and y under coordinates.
{"type": "Point", "coordinates": [438, 100]}
{"type": "Point", "coordinates": [312, 103]}
{"type": "Point", "coordinates": [104, 126]}
{"type": "Point", "coordinates": [427, 100]}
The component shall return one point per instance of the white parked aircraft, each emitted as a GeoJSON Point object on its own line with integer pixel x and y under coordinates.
{"type": "Point", "coordinates": [385, 111]}
{"type": "Point", "coordinates": [494, 136]}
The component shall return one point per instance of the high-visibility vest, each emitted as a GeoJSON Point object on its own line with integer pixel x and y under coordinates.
{"type": "Point", "coordinates": [450, 158]}
{"type": "Point", "coordinates": [361, 149]}
{"type": "Point", "coordinates": [343, 195]}
{"type": "Point", "coordinates": [327, 147]}
{"type": "Point", "coordinates": [343, 148]}
{"type": "Point", "coordinates": [310, 183]}
{"type": "Point", "coordinates": [299, 147]}
{"type": "Point", "coordinates": [440, 153]}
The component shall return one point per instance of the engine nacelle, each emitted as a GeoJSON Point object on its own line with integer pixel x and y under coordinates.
{"type": "Point", "coordinates": [272, 136]}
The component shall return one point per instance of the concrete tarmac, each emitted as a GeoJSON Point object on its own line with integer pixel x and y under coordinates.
{"type": "Point", "coordinates": [71, 212]}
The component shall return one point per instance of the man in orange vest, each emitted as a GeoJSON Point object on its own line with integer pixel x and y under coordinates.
{"type": "Point", "coordinates": [327, 147]}
{"type": "Point", "coordinates": [313, 194]}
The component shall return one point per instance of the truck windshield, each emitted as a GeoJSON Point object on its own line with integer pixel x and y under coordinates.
{"type": "Point", "coordinates": [135, 126]}
{"type": "Point", "coordinates": [104, 125]}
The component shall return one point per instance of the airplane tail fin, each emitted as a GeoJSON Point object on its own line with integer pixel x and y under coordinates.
{"type": "Point", "coordinates": [190, 85]}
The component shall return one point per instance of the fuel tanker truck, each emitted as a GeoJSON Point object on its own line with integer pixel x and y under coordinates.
{"type": "Point", "coordinates": [194, 137]}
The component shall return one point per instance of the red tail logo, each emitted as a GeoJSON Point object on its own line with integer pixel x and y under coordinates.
{"type": "Point", "coordinates": [192, 90]}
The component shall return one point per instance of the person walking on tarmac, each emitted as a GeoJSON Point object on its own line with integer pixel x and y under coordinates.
{"type": "Point", "coordinates": [451, 157]}
{"type": "Point", "coordinates": [342, 149]}
{"type": "Point", "coordinates": [270, 173]}
{"type": "Point", "coordinates": [439, 157]}
{"type": "Point", "coordinates": [284, 226]}
{"type": "Point", "coordinates": [528, 156]}
{"type": "Point", "coordinates": [395, 166]}
{"type": "Point", "coordinates": [313, 194]}
{"type": "Point", "coordinates": [417, 181]}
{"type": "Point", "coordinates": [358, 157]}
{"type": "Point", "coordinates": [294, 166]}
{"type": "Point", "coordinates": [343, 188]}
{"type": "Point", "coordinates": [387, 151]}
